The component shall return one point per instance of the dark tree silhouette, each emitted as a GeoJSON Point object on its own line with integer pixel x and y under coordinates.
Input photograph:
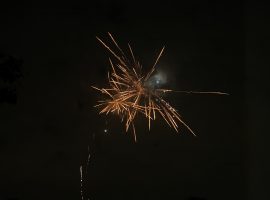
{"type": "Point", "coordinates": [10, 73]}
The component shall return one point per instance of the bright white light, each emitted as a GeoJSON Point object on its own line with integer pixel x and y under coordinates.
{"type": "Point", "coordinates": [157, 80]}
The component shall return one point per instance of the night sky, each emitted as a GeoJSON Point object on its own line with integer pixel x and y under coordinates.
{"type": "Point", "coordinates": [49, 58]}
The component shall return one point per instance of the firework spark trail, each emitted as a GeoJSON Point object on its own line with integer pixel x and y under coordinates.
{"type": "Point", "coordinates": [88, 159]}
{"type": "Point", "coordinates": [81, 174]}
{"type": "Point", "coordinates": [129, 94]}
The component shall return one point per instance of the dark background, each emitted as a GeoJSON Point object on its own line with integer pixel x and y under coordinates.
{"type": "Point", "coordinates": [49, 59]}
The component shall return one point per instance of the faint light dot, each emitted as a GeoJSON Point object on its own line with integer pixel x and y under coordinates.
{"type": "Point", "coordinates": [105, 130]}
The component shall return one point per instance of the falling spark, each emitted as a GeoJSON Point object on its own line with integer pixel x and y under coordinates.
{"type": "Point", "coordinates": [88, 159]}
{"type": "Point", "coordinates": [81, 173]}
{"type": "Point", "coordinates": [129, 92]}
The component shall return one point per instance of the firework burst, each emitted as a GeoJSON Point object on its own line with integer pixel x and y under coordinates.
{"type": "Point", "coordinates": [129, 93]}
